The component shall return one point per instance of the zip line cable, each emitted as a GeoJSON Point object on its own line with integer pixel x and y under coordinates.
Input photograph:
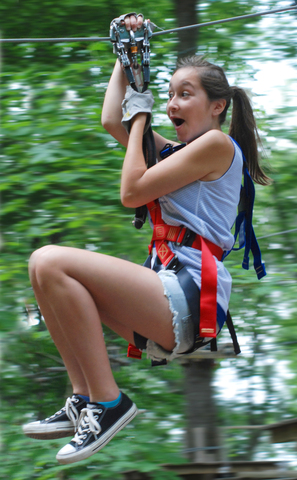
{"type": "Point", "coordinates": [162, 32]}
{"type": "Point", "coordinates": [278, 233]}
{"type": "Point", "coordinates": [225, 20]}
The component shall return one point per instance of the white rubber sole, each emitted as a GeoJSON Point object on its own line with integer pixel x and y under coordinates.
{"type": "Point", "coordinates": [87, 452]}
{"type": "Point", "coordinates": [41, 431]}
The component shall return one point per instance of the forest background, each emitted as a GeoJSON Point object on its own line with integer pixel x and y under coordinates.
{"type": "Point", "coordinates": [60, 174]}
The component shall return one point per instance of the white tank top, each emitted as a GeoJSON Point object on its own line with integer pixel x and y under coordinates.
{"type": "Point", "coordinates": [209, 209]}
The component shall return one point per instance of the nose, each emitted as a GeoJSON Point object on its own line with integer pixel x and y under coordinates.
{"type": "Point", "coordinates": [172, 105]}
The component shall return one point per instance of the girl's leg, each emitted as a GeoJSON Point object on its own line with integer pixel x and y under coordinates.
{"type": "Point", "coordinates": [84, 288]}
{"type": "Point", "coordinates": [74, 371]}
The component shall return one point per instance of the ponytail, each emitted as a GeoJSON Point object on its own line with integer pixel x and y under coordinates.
{"type": "Point", "coordinates": [243, 126]}
{"type": "Point", "coordinates": [244, 130]}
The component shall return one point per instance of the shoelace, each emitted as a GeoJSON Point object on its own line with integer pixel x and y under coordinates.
{"type": "Point", "coordinates": [70, 410]}
{"type": "Point", "coordinates": [87, 424]}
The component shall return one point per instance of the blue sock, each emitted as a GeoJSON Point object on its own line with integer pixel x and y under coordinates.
{"type": "Point", "coordinates": [84, 397]}
{"type": "Point", "coordinates": [113, 403]}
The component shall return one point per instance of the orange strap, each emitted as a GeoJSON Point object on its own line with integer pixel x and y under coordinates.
{"type": "Point", "coordinates": [164, 233]}
{"type": "Point", "coordinates": [208, 293]}
{"type": "Point", "coordinates": [160, 233]}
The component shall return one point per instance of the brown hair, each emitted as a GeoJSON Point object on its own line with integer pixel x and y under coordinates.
{"type": "Point", "coordinates": [243, 126]}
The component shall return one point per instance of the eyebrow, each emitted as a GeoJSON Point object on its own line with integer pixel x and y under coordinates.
{"type": "Point", "coordinates": [184, 83]}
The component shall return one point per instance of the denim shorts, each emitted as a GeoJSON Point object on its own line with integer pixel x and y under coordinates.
{"type": "Point", "coordinates": [183, 326]}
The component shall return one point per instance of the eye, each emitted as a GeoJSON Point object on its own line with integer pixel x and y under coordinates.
{"type": "Point", "coordinates": [185, 94]}
{"type": "Point", "coordinates": [170, 95]}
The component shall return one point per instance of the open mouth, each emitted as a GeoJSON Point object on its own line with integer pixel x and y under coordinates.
{"type": "Point", "coordinates": [177, 121]}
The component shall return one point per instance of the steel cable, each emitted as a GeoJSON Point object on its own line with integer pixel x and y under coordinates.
{"type": "Point", "coordinates": [162, 32]}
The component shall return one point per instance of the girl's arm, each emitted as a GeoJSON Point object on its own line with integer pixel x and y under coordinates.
{"type": "Point", "coordinates": [112, 110]}
{"type": "Point", "coordinates": [207, 158]}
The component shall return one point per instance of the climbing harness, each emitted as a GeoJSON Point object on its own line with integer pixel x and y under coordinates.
{"type": "Point", "coordinates": [210, 313]}
{"type": "Point", "coordinates": [180, 236]}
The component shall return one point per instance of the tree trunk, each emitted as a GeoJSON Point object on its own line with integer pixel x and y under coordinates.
{"type": "Point", "coordinates": [285, 224]}
{"type": "Point", "coordinates": [203, 437]}
{"type": "Point", "coordinates": [187, 14]}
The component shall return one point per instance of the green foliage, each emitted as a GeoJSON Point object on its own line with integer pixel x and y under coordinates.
{"type": "Point", "coordinates": [69, 18]}
{"type": "Point", "coordinates": [60, 175]}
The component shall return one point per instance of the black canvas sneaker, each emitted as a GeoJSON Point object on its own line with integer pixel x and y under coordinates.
{"type": "Point", "coordinates": [97, 426]}
{"type": "Point", "coordinates": [63, 423]}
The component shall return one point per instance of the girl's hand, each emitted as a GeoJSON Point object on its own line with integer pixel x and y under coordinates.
{"type": "Point", "coordinates": [133, 22]}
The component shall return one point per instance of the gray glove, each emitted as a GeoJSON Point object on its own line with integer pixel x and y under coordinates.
{"type": "Point", "coordinates": [134, 103]}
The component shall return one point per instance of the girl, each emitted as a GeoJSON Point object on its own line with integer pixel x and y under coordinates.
{"type": "Point", "coordinates": [198, 187]}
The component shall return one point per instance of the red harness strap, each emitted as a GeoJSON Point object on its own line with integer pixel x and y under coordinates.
{"type": "Point", "coordinates": [164, 233]}
{"type": "Point", "coordinates": [134, 352]}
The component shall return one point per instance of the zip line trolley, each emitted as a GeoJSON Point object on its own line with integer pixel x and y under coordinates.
{"type": "Point", "coordinates": [127, 45]}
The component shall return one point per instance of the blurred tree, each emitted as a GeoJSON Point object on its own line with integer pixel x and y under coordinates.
{"type": "Point", "coordinates": [187, 14]}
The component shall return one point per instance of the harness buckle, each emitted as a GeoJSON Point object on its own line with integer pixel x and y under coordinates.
{"type": "Point", "coordinates": [174, 265]}
{"type": "Point", "coordinates": [185, 238]}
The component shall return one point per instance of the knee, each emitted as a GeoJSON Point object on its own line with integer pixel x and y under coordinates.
{"type": "Point", "coordinates": [40, 264]}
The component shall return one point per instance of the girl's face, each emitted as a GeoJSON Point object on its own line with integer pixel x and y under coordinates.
{"type": "Point", "coordinates": [188, 107]}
